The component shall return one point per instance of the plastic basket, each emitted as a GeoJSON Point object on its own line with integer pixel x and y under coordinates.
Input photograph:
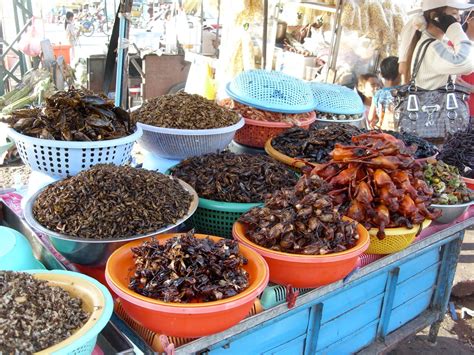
{"type": "Point", "coordinates": [173, 143]}
{"type": "Point", "coordinates": [271, 91]}
{"type": "Point", "coordinates": [217, 218]}
{"type": "Point", "coordinates": [337, 99]}
{"type": "Point", "coordinates": [96, 300]}
{"type": "Point", "coordinates": [257, 133]}
{"type": "Point", "coordinates": [321, 123]}
{"type": "Point", "coordinates": [273, 295]}
{"type": "Point", "coordinates": [63, 158]}
{"type": "Point", "coordinates": [366, 259]}
{"type": "Point", "coordinates": [396, 239]}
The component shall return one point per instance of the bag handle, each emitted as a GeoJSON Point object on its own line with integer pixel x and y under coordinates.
{"type": "Point", "coordinates": [420, 55]}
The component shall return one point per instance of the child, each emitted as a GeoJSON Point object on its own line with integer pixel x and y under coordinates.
{"type": "Point", "coordinates": [381, 111]}
{"type": "Point", "coordinates": [367, 85]}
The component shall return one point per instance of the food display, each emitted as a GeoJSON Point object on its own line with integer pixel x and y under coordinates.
{"type": "Point", "coordinates": [301, 220]}
{"type": "Point", "coordinates": [73, 115]}
{"type": "Point", "coordinates": [34, 315]}
{"type": "Point", "coordinates": [446, 183]}
{"type": "Point", "coordinates": [336, 117]}
{"type": "Point", "coordinates": [313, 145]}
{"type": "Point", "coordinates": [459, 151]}
{"type": "Point", "coordinates": [229, 177]}
{"type": "Point", "coordinates": [187, 269]}
{"type": "Point", "coordinates": [267, 116]}
{"type": "Point", "coordinates": [184, 111]}
{"type": "Point", "coordinates": [108, 201]}
{"type": "Point", "coordinates": [379, 182]}
{"type": "Point", "coordinates": [424, 149]}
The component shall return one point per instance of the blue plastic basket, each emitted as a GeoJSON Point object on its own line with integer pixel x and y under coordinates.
{"type": "Point", "coordinates": [85, 343]}
{"type": "Point", "coordinates": [271, 91]}
{"type": "Point", "coordinates": [337, 99]}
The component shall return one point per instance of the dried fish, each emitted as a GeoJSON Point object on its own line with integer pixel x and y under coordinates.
{"type": "Point", "coordinates": [35, 316]}
{"type": "Point", "coordinates": [73, 115]}
{"type": "Point", "coordinates": [230, 177]}
{"type": "Point", "coordinates": [301, 220]}
{"type": "Point", "coordinates": [187, 269]}
{"type": "Point", "coordinates": [184, 111]}
{"type": "Point", "coordinates": [109, 201]}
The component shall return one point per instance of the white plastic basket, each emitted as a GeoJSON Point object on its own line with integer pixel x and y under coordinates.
{"type": "Point", "coordinates": [63, 158]}
{"type": "Point", "coordinates": [321, 123]}
{"type": "Point", "coordinates": [171, 143]}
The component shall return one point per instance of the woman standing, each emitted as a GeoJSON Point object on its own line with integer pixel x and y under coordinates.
{"type": "Point", "coordinates": [71, 34]}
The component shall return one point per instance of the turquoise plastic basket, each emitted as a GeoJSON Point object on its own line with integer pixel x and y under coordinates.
{"type": "Point", "coordinates": [337, 99]}
{"type": "Point", "coordinates": [271, 91]}
{"type": "Point", "coordinates": [85, 344]}
{"type": "Point", "coordinates": [217, 218]}
{"type": "Point", "coordinates": [273, 295]}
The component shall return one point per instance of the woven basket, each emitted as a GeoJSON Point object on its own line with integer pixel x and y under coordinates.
{"type": "Point", "coordinates": [396, 239]}
{"type": "Point", "coordinates": [256, 133]}
{"type": "Point", "coordinates": [217, 218]}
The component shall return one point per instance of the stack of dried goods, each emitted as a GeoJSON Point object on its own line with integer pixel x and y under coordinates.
{"type": "Point", "coordinates": [336, 117]}
{"type": "Point", "coordinates": [301, 220]}
{"type": "Point", "coordinates": [459, 151]}
{"type": "Point", "coordinates": [187, 269]}
{"type": "Point", "coordinates": [229, 177]}
{"type": "Point", "coordinates": [73, 115]}
{"type": "Point", "coordinates": [184, 111]}
{"type": "Point", "coordinates": [446, 183]}
{"type": "Point", "coordinates": [313, 145]}
{"type": "Point", "coordinates": [267, 116]}
{"type": "Point", "coordinates": [424, 149]}
{"type": "Point", "coordinates": [35, 316]}
{"type": "Point", "coordinates": [378, 182]}
{"type": "Point", "coordinates": [109, 202]}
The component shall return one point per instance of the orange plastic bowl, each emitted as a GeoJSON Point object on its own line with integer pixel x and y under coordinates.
{"type": "Point", "coordinates": [188, 320]}
{"type": "Point", "coordinates": [469, 182]}
{"type": "Point", "coordinates": [256, 133]}
{"type": "Point", "coordinates": [307, 271]}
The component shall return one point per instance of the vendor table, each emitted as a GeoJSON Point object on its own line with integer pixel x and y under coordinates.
{"type": "Point", "coordinates": [370, 311]}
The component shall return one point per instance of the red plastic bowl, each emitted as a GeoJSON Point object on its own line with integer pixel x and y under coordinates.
{"type": "Point", "coordinates": [256, 133]}
{"type": "Point", "coordinates": [469, 182]}
{"type": "Point", "coordinates": [188, 320]}
{"type": "Point", "coordinates": [307, 271]}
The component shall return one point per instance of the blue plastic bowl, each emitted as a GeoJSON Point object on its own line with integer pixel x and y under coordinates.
{"type": "Point", "coordinates": [15, 251]}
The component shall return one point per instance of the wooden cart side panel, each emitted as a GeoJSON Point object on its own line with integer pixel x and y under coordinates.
{"type": "Point", "coordinates": [417, 265]}
{"type": "Point", "coordinates": [273, 335]}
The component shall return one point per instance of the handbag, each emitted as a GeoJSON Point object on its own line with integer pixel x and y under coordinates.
{"type": "Point", "coordinates": [430, 114]}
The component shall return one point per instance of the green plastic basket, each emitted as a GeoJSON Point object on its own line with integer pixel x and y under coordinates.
{"type": "Point", "coordinates": [274, 294]}
{"type": "Point", "coordinates": [217, 218]}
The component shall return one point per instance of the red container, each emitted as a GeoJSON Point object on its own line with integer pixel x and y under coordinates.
{"type": "Point", "coordinates": [307, 271]}
{"type": "Point", "coordinates": [62, 50]}
{"type": "Point", "coordinates": [256, 133]}
{"type": "Point", "coordinates": [188, 320]}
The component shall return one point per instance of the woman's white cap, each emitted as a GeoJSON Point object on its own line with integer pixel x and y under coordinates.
{"type": "Point", "coordinates": [434, 4]}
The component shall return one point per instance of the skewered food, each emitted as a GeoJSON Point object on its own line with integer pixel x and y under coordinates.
{"type": "Point", "coordinates": [300, 220]}
{"type": "Point", "coordinates": [378, 182]}
{"type": "Point", "coordinates": [230, 177]}
{"type": "Point", "coordinates": [73, 115]}
{"type": "Point", "coordinates": [187, 269]}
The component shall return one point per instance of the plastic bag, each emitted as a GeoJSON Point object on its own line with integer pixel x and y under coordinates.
{"type": "Point", "coordinates": [30, 42]}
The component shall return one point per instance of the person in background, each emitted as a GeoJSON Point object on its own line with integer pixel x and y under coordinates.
{"type": "Point", "coordinates": [468, 80]}
{"type": "Point", "coordinates": [71, 34]}
{"type": "Point", "coordinates": [439, 21]}
{"type": "Point", "coordinates": [381, 111]}
{"type": "Point", "coordinates": [367, 85]}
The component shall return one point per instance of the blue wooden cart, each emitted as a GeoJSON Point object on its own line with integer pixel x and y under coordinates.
{"type": "Point", "coordinates": [369, 312]}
